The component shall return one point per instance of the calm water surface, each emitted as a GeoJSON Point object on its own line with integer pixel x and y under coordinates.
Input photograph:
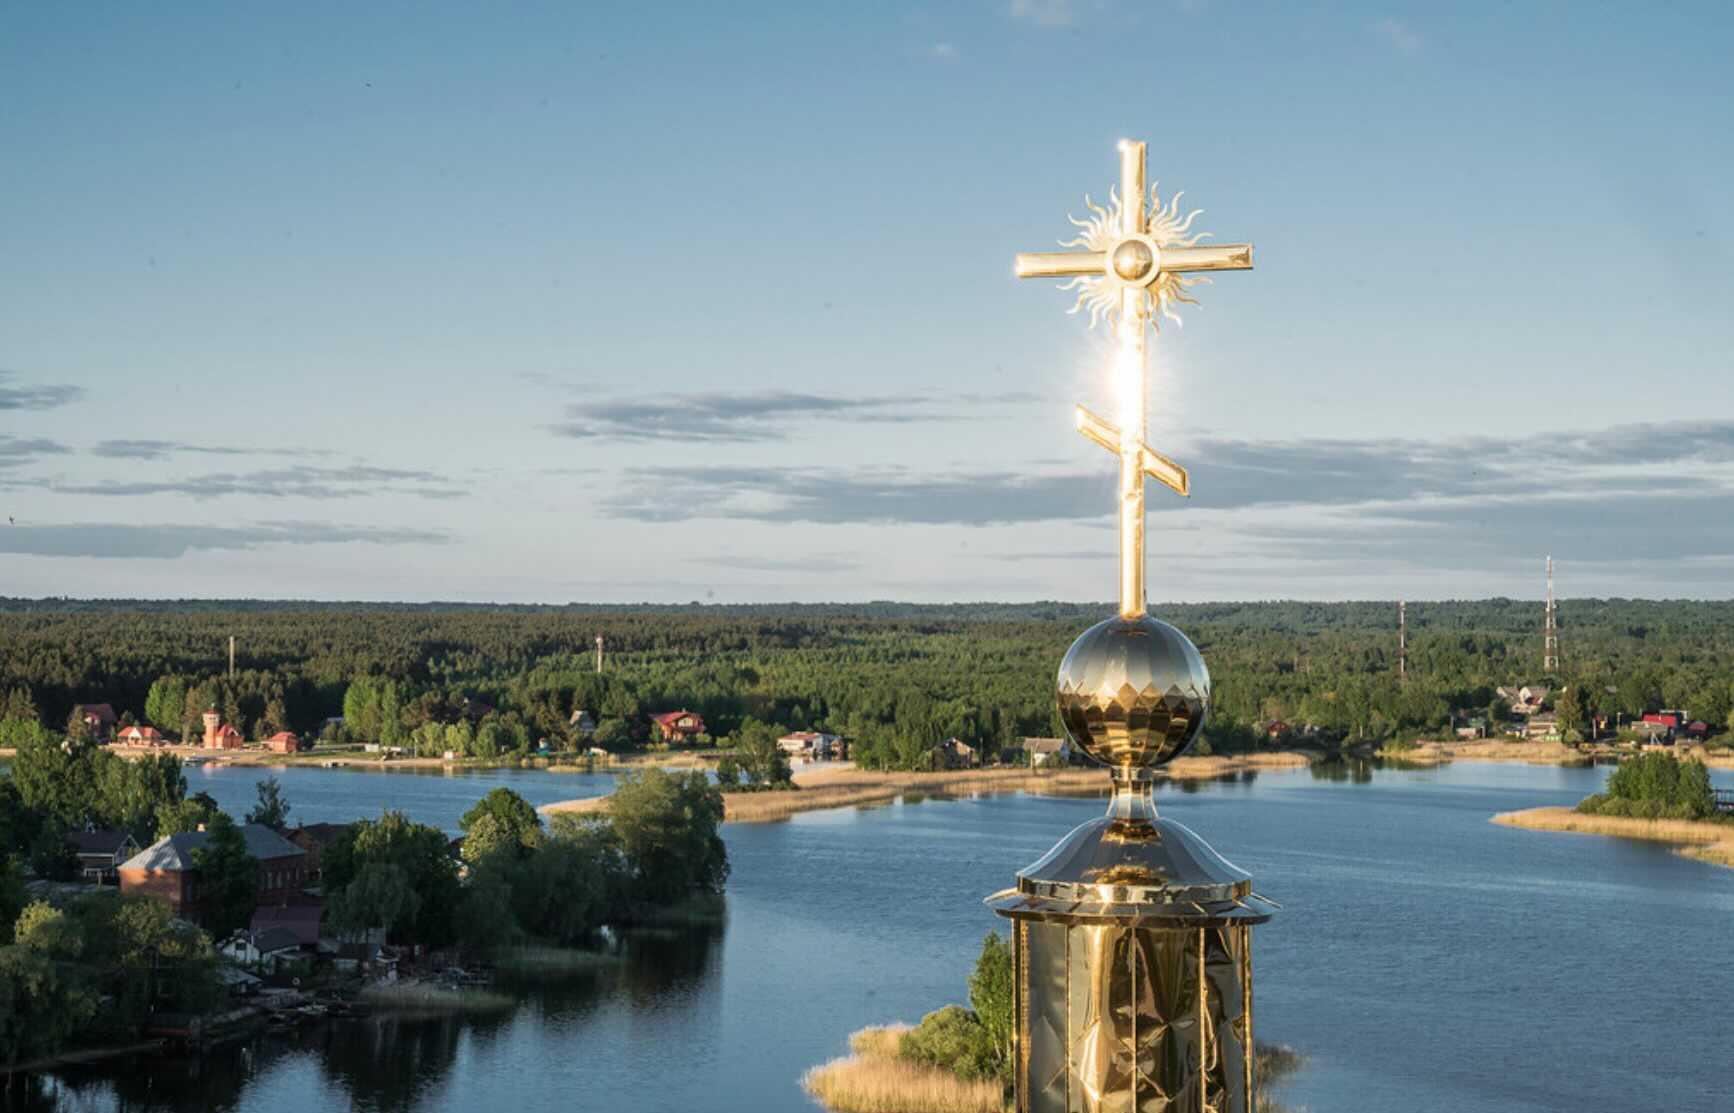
{"type": "Point", "coordinates": [1424, 960]}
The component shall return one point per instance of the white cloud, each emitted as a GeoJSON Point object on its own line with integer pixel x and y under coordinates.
{"type": "Point", "coordinates": [942, 52]}
{"type": "Point", "coordinates": [1400, 34]}
{"type": "Point", "coordinates": [1045, 13]}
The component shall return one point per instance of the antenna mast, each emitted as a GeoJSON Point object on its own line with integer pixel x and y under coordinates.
{"type": "Point", "coordinates": [231, 656]}
{"type": "Point", "coordinates": [598, 652]}
{"type": "Point", "coordinates": [1550, 631]}
{"type": "Point", "coordinates": [1402, 643]}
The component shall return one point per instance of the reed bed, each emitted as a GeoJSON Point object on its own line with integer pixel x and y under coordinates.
{"type": "Point", "coordinates": [552, 960]}
{"type": "Point", "coordinates": [876, 1085]}
{"type": "Point", "coordinates": [432, 997]}
{"type": "Point", "coordinates": [1707, 840]}
{"type": "Point", "coordinates": [882, 1042]}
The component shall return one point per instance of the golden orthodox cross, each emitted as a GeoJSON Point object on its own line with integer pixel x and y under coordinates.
{"type": "Point", "coordinates": [1132, 264]}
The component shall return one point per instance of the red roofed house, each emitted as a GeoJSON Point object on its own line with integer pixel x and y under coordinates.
{"type": "Point", "coordinates": [678, 726]}
{"type": "Point", "coordinates": [284, 742]}
{"type": "Point", "coordinates": [140, 736]}
{"type": "Point", "coordinates": [99, 717]}
{"type": "Point", "coordinates": [223, 736]}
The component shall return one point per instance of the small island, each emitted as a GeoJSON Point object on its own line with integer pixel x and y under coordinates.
{"type": "Point", "coordinates": [1653, 796]}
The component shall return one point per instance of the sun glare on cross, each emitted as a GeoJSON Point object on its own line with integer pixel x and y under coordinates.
{"type": "Point", "coordinates": [1100, 294]}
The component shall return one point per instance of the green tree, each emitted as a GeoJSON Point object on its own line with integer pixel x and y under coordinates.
{"type": "Point", "coordinates": [381, 895]}
{"type": "Point", "coordinates": [228, 877]}
{"type": "Point", "coordinates": [484, 920]}
{"type": "Point", "coordinates": [48, 931]}
{"type": "Point", "coordinates": [40, 1006]}
{"type": "Point", "coordinates": [390, 717]}
{"type": "Point", "coordinates": [515, 821]}
{"type": "Point", "coordinates": [1569, 707]}
{"type": "Point", "coordinates": [272, 810]}
{"type": "Point", "coordinates": [760, 758]}
{"type": "Point", "coordinates": [190, 814]}
{"type": "Point", "coordinates": [990, 995]}
{"type": "Point", "coordinates": [419, 851]}
{"type": "Point", "coordinates": [668, 829]}
{"type": "Point", "coordinates": [574, 884]}
{"type": "Point", "coordinates": [165, 705]}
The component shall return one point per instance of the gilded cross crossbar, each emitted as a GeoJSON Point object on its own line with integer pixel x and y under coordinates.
{"type": "Point", "coordinates": [1136, 260]}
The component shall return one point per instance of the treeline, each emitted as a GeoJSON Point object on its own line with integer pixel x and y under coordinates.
{"type": "Point", "coordinates": [894, 678]}
{"type": "Point", "coordinates": [658, 847]}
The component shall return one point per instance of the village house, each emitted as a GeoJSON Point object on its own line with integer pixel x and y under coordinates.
{"type": "Point", "coordinates": [1526, 700]}
{"type": "Point", "coordinates": [677, 727]}
{"type": "Point", "coordinates": [100, 853]}
{"type": "Point", "coordinates": [954, 753]}
{"type": "Point", "coordinates": [1472, 728]}
{"type": "Point", "coordinates": [582, 722]}
{"type": "Point", "coordinates": [284, 742]}
{"type": "Point", "coordinates": [1543, 727]}
{"type": "Point", "coordinates": [811, 744]}
{"type": "Point", "coordinates": [300, 920]}
{"type": "Point", "coordinates": [313, 838]}
{"type": "Point", "coordinates": [99, 717]}
{"type": "Point", "coordinates": [220, 735]}
{"type": "Point", "coordinates": [1044, 752]}
{"type": "Point", "coordinates": [263, 949]}
{"type": "Point", "coordinates": [165, 871]}
{"type": "Point", "coordinates": [140, 736]}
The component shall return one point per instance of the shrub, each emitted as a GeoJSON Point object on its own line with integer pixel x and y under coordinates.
{"type": "Point", "coordinates": [952, 1039]}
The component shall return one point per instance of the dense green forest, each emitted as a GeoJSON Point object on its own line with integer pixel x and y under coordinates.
{"type": "Point", "coordinates": [489, 680]}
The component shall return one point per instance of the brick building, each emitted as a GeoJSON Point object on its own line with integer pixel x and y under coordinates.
{"type": "Point", "coordinates": [165, 870]}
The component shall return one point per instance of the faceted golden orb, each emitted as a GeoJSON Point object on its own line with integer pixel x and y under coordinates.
{"type": "Point", "coordinates": [1133, 692]}
{"type": "Point", "coordinates": [1133, 260]}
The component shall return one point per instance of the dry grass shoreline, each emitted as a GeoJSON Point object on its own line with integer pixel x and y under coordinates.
{"type": "Point", "coordinates": [874, 1079]}
{"type": "Point", "coordinates": [842, 788]}
{"type": "Point", "coordinates": [1502, 751]}
{"type": "Point", "coordinates": [1705, 841]}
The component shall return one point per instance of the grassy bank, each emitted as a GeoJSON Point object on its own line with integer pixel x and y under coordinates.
{"type": "Point", "coordinates": [843, 788]}
{"type": "Point", "coordinates": [875, 1080]}
{"type": "Point", "coordinates": [1706, 840]}
{"type": "Point", "coordinates": [1497, 751]}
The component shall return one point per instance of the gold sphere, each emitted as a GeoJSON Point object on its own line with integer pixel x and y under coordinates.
{"type": "Point", "coordinates": [1133, 260]}
{"type": "Point", "coordinates": [1133, 692]}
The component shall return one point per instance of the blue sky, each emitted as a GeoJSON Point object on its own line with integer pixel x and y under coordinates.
{"type": "Point", "coordinates": [668, 302]}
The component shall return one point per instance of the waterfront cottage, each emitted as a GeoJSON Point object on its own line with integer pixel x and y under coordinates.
{"type": "Point", "coordinates": [677, 726]}
{"type": "Point", "coordinates": [284, 742]}
{"type": "Point", "coordinates": [165, 871]}
{"type": "Point", "coordinates": [1048, 751]}
{"type": "Point", "coordinates": [140, 736]}
{"type": "Point", "coordinates": [954, 753]}
{"type": "Point", "coordinates": [811, 744]}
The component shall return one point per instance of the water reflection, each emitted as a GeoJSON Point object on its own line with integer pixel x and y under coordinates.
{"type": "Point", "coordinates": [392, 1063]}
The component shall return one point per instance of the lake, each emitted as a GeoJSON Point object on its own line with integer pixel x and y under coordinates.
{"type": "Point", "coordinates": [1425, 960]}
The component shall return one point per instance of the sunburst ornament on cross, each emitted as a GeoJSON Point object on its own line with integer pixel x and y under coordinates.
{"type": "Point", "coordinates": [1139, 257]}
